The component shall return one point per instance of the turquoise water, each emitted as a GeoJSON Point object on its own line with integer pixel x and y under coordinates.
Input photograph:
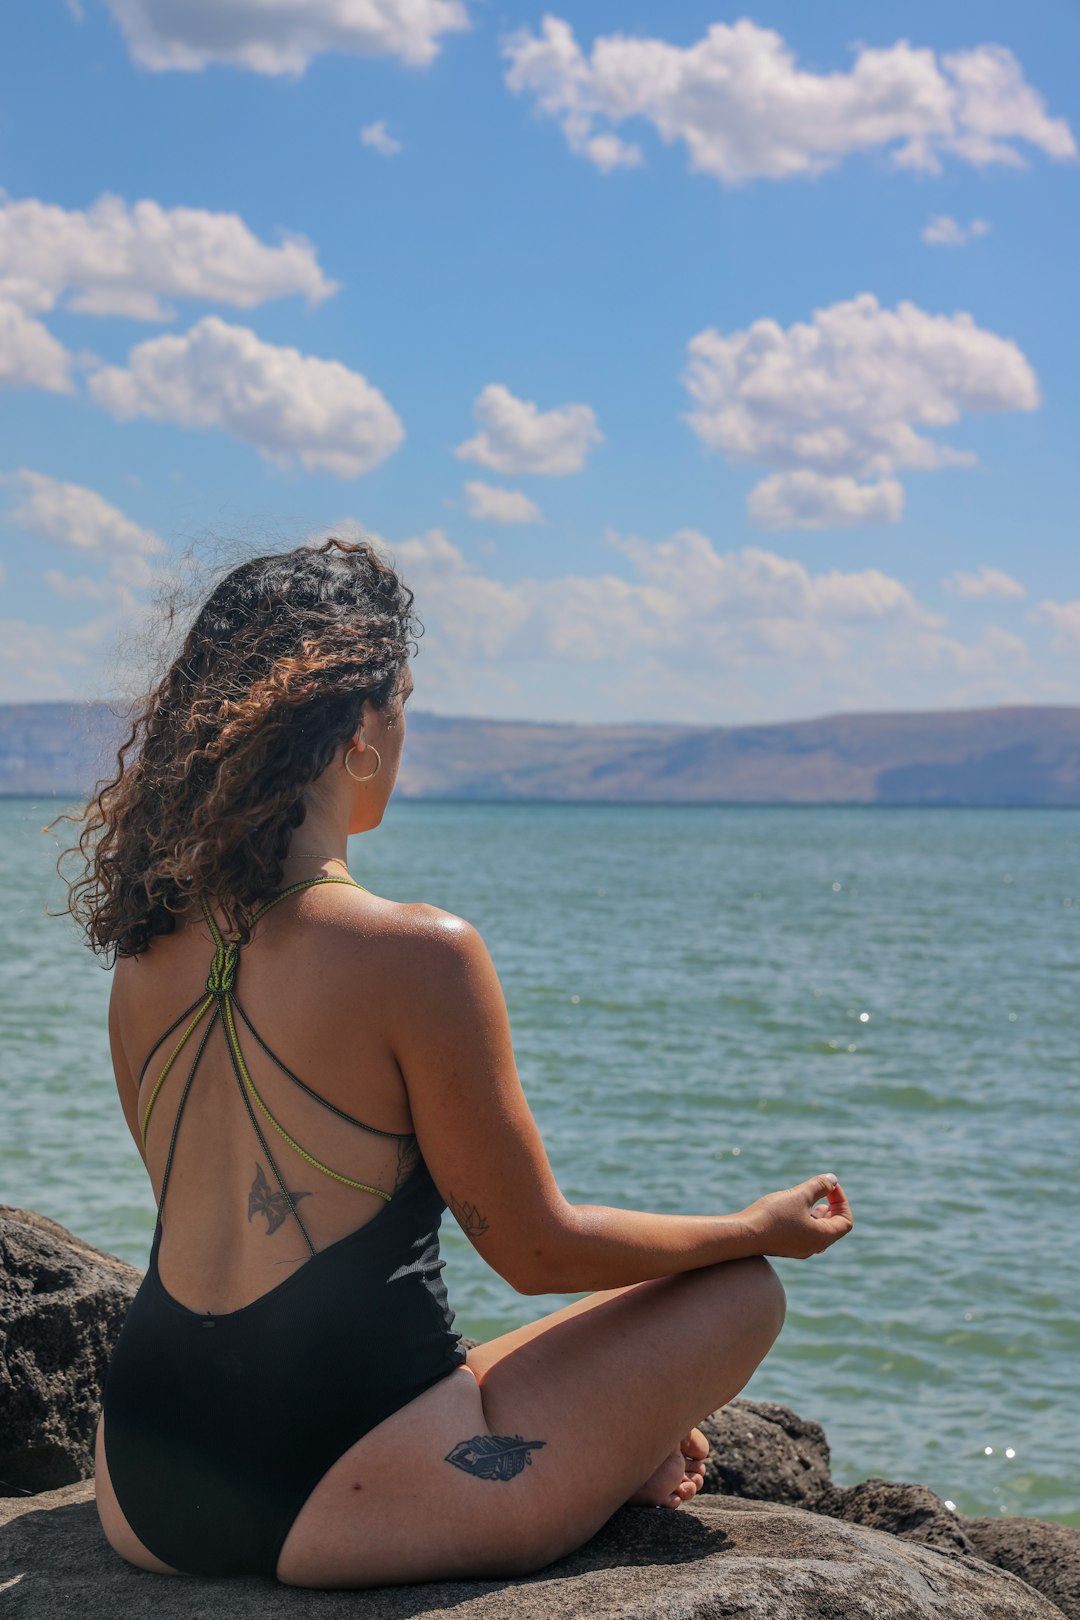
{"type": "Point", "coordinates": [687, 988]}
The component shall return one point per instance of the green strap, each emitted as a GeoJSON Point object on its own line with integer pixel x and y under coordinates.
{"type": "Point", "coordinates": [219, 993]}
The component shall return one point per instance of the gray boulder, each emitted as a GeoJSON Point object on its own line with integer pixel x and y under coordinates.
{"type": "Point", "coordinates": [911, 1511]}
{"type": "Point", "coordinates": [1044, 1554]}
{"type": "Point", "coordinates": [62, 1304]}
{"type": "Point", "coordinates": [717, 1557]}
{"type": "Point", "coordinates": [766, 1453]}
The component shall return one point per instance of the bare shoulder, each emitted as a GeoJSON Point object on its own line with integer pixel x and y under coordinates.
{"type": "Point", "coordinates": [421, 944]}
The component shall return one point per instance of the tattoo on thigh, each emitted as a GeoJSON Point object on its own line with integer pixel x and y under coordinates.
{"type": "Point", "coordinates": [263, 1200]}
{"type": "Point", "coordinates": [493, 1456]}
{"type": "Point", "coordinates": [468, 1217]}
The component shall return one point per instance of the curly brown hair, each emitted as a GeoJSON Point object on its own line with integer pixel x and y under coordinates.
{"type": "Point", "coordinates": [210, 781]}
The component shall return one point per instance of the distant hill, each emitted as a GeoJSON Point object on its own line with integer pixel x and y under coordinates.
{"type": "Point", "coordinates": [1007, 756]}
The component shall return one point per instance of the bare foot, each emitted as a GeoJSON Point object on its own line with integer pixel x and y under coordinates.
{"type": "Point", "coordinates": [679, 1477]}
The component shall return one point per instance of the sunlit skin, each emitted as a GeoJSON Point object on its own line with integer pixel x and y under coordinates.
{"type": "Point", "coordinates": [668, 1348]}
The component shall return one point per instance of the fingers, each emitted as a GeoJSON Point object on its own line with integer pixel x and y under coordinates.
{"type": "Point", "coordinates": [834, 1215]}
{"type": "Point", "coordinates": [819, 1186]}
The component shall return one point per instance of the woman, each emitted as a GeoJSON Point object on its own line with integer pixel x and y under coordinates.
{"type": "Point", "coordinates": [312, 1075]}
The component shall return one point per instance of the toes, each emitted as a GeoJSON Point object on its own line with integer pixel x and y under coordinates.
{"type": "Point", "coordinates": [695, 1445]}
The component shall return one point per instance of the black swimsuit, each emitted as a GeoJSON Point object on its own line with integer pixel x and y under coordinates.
{"type": "Point", "coordinates": [218, 1427]}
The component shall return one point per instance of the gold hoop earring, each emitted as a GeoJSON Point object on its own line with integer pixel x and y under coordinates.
{"type": "Point", "coordinates": [371, 749]}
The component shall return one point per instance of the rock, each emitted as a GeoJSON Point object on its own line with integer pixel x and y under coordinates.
{"type": "Point", "coordinates": [62, 1303]}
{"type": "Point", "coordinates": [717, 1557]}
{"type": "Point", "coordinates": [911, 1511]}
{"type": "Point", "coordinates": [766, 1453]}
{"type": "Point", "coordinates": [1044, 1554]}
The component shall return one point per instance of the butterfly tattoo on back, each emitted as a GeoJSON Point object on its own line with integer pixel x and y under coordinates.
{"type": "Point", "coordinates": [263, 1200]}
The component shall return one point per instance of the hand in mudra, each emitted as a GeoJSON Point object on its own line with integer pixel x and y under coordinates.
{"type": "Point", "coordinates": [802, 1220]}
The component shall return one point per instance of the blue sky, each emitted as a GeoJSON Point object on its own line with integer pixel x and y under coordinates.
{"type": "Point", "coordinates": [700, 362]}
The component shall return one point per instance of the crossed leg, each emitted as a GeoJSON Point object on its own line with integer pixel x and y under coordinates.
{"type": "Point", "coordinates": [681, 1474]}
{"type": "Point", "coordinates": [599, 1394]}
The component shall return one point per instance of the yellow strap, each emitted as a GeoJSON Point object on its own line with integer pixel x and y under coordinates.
{"type": "Point", "coordinates": [173, 1055]}
{"type": "Point", "coordinates": [249, 1083]}
{"type": "Point", "coordinates": [219, 987]}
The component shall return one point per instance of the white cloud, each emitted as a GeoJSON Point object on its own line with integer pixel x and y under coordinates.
{"type": "Point", "coordinates": [758, 584]}
{"type": "Point", "coordinates": [805, 499]}
{"type": "Point", "coordinates": [378, 136]}
{"type": "Point", "coordinates": [994, 105]}
{"type": "Point", "coordinates": [283, 402]}
{"type": "Point", "coordinates": [116, 259]}
{"type": "Point", "coordinates": [746, 111]}
{"type": "Point", "coordinates": [842, 397]}
{"type": "Point", "coordinates": [30, 357]}
{"type": "Point", "coordinates": [944, 231]}
{"type": "Point", "coordinates": [282, 36]}
{"type": "Point", "coordinates": [72, 515]}
{"type": "Point", "coordinates": [517, 438]}
{"type": "Point", "coordinates": [1063, 619]}
{"type": "Point", "coordinates": [39, 662]}
{"type": "Point", "coordinates": [985, 581]}
{"type": "Point", "coordinates": [494, 505]}
{"type": "Point", "coordinates": [699, 632]}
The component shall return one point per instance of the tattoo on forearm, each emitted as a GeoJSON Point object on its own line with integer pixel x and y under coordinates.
{"type": "Point", "coordinates": [263, 1200]}
{"type": "Point", "coordinates": [493, 1456]}
{"type": "Point", "coordinates": [408, 1155]}
{"type": "Point", "coordinates": [468, 1217]}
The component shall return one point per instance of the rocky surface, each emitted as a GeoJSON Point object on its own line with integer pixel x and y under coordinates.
{"type": "Point", "coordinates": [765, 1452]}
{"type": "Point", "coordinates": [911, 1511]}
{"type": "Point", "coordinates": [1045, 1555]}
{"type": "Point", "coordinates": [62, 1303]}
{"type": "Point", "coordinates": [718, 1557]}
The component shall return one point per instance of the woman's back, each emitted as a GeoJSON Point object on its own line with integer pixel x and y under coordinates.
{"type": "Point", "coordinates": [222, 1358]}
{"type": "Point", "coordinates": [309, 988]}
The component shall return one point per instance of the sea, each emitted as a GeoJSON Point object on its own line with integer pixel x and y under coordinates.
{"type": "Point", "coordinates": [709, 1003]}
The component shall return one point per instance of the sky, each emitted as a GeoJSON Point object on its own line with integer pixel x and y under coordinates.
{"type": "Point", "coordinates": [703, 363]}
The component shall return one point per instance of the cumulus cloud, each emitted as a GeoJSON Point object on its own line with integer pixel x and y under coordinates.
{"type": "Point", "coordinates": [985, 581]}
{"type": "Point", "coordinates": [808, 500]}
{"type": "Point", "coordinates": [30, 357]}
{"type": "Point", "coordinates": [518, 438]}
{"type": "Point", "coordinates": [79, 518]}
{"type": "Point", "coordinates": [693, 630]}
{"type": "Point", "coordinates": [75, 516]}
{"type": "Point", "coordinates": [377, 135]}
{"type": "Point", "coordinates": [841, 398]}
{"type": "Point", "coordinates": [283, 402]}
{"type": "Point", "coordinates": [116, 259]}
{"type": "Point", "coordinates": [494, 505]}
{"type": "Point", "coordinates": [732, 607]}
{"type": "Point", "coordinates": [745, 110]}
{"type": "Point", "coordinates": [1063, 619]}
{"type": "Point", "coordinates": [282, 36]}
{"type": "Point", "coordinates": [944, 231]}
{"type": "Point", "coordinates": [39, 662]}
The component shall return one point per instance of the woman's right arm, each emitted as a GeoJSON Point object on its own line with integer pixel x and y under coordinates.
{"type": "Point", "coordinates": [451, 1036]}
